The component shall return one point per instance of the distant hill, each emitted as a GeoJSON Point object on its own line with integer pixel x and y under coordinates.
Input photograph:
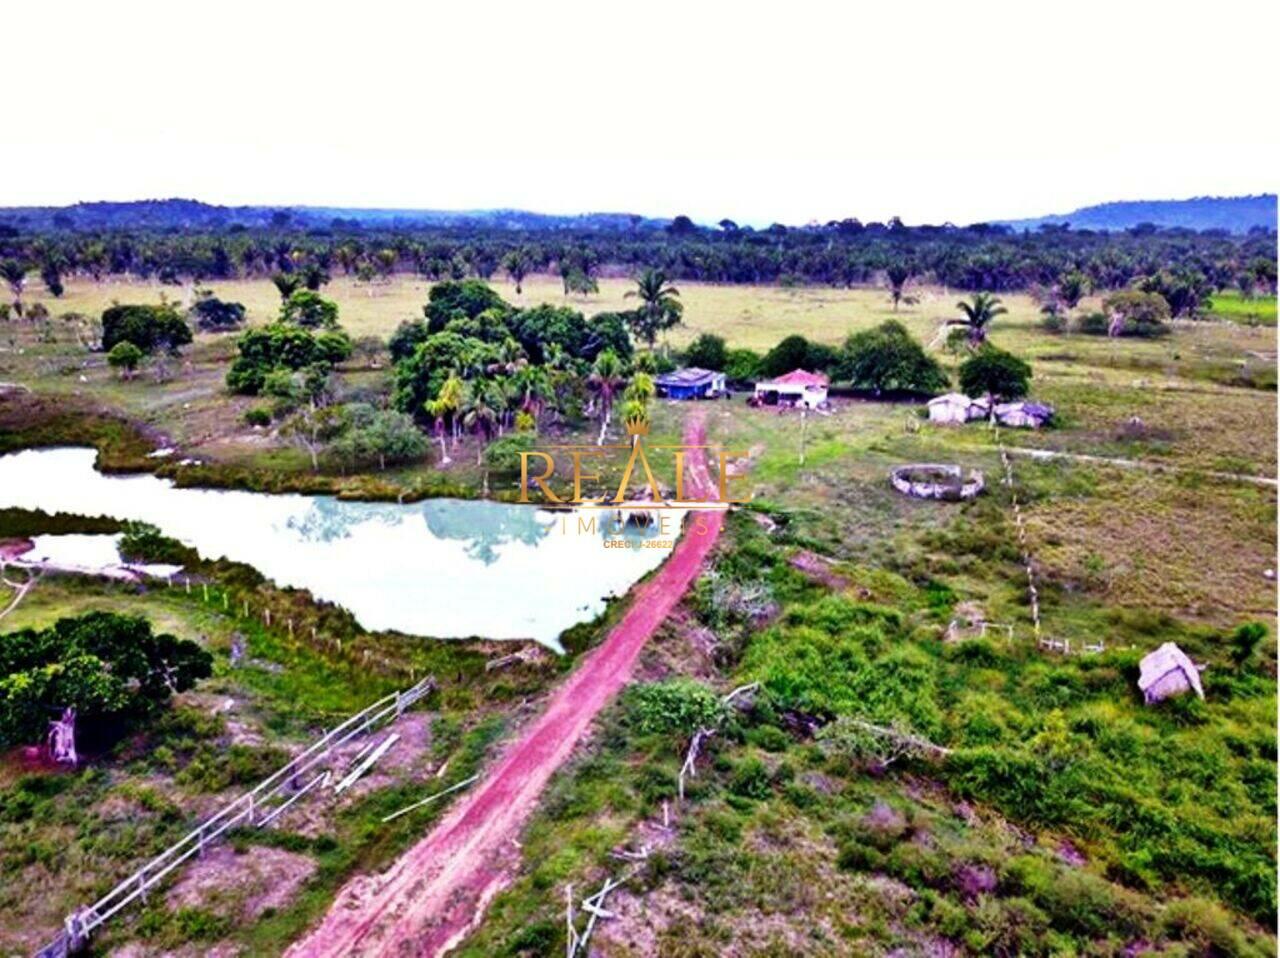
{"type": "Point", "coordinates": [1235, 214]}
{"type": "Point", "coordinates": [192, 214]}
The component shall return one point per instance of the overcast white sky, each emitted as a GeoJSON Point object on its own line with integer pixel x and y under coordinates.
{"type": "Point", "coordinates": [787, 111]}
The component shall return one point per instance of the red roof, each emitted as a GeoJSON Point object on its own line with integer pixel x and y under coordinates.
{"type": "Point", "coordinates": [799, 377]}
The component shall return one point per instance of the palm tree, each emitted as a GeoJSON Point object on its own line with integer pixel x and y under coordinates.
{"type": "Point", "coordinates": [660, 306]}
{"type": "Point", "coordinates": [605, 380]}
{"type": "Point", "coordinates": [533, 387]}
{"type": "Point", "coordinates": [508, 358]}
{"type": "Point", "coordinates": [517, 265]}
{"type": "Point", "coordinates": [287, 284]}
{"type": "Point", "coordinates": [978, 314]}
{"type": "Point", "coordinates": [445, 407]}
{"type": "Point", "coordinates": [480, 414]}
{"type": "Point", "coordinates": [898, 274]}
{"type": "Point", "coordinates": [641, 387]}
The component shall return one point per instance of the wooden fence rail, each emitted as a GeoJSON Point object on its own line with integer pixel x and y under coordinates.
{"type": "Point", "coordinates": [258, 807]}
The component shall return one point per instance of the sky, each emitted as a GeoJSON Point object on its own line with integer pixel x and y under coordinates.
{"type": "Point", "coordinates": [788, 112]}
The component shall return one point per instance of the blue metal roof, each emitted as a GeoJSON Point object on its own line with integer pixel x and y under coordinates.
{"type": "Point", "coordinates": [692, 376]}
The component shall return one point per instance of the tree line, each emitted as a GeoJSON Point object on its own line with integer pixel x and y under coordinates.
{"type": "Point", "coordinates": [840, 253]}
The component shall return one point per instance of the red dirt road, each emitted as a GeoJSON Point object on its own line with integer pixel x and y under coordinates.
{"type": "Point", "coordinates": [438, 891]}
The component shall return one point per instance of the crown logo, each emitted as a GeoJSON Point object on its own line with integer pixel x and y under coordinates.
{"type": "Point", "coordinates": [637, 426]}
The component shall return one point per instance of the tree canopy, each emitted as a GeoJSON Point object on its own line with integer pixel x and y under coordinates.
{"type": "Point", "coordinates": [148, 327]}
{"type": "Point", "coordinates": [886, 358]}
{"type": "Point", "coordinates": [111, 668]}
{"type": "Point", "coordinates": [994, 372]}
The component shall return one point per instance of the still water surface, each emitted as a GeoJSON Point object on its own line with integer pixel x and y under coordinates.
{"type": "Point", "coordinates": [444, 567]}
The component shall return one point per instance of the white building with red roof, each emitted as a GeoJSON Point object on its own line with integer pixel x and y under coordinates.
{"type": "Point", "coordinates": [797, 388]}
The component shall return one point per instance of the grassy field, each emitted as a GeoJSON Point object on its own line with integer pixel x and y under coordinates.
{"type": "Point", "coordinates": [1254, 311]}
{"type": "Point", "coordinates": [1047, 830]}
{"type": "Point", "coordinates": [778, 827]}
{"type": "Point", "coordinates": [67, 836]}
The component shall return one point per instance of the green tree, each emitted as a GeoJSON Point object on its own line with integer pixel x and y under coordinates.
{"type": "Point", "coordinates": [898, 275]}
{"type": "Point", "coordinates": [1135, 312]}
{"type": "Point", "coordinates": [286, 284]}
{"type": "Point", "coordinates": [51, 274]}
{"type": "Point", "coordinates": [384, 436]}
{"type": "Point", "coordinates": [995, 373]}
{"type": "Point", "coordinates": [14, 272]}
{"type": "Point", "coordinates": [887, 358]}
{"type": "Point", "coordinates": [147, 327]}
{"type": "Point", "coordinates": [481, 410]}
{"type": "Point", "coordinates": [707, 352]}
{"type": "Point", "coordinates": [444, 411]}
{"type": "Point", "coordinates": [280, 346]}
{"type": "Point", "coordinates": [1186, 291]}
{"type": "Point", "coordinates": [660, 307]}
{"type": "Point", "coordinates": [1073, 286]}
{"type": "Point", "coordinates": [309, 309]}
{"type": "Point", "coordinates": [796, 352]}
{"type": "Point", "coordinates": [606, 379]}
{"type": "Point", "coordinates": [111, 668]}
{"type": "Point", "coordinates": [312, 428]}
{"type": "Point", "coordinates": [125, 357]}
{"type": "Point", "coordinates": [517, 264]}
{"type": "Point", "coordinates": [459, 299]}
{"type": "Point", "coordinates": [979, 312]}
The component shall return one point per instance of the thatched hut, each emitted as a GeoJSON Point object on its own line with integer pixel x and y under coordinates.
{"type": "Point", "coordinates": [1168, 671]}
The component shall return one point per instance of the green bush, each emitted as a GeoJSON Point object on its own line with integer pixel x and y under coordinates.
{"type": "Point", "coordinates": [257, 416]}
{"type": "Point", "coordinates": [751, 779]}
{"type": "Point", "coordinates": [143, 542]}
{"type": "Point", "coordinates": [678, 706]}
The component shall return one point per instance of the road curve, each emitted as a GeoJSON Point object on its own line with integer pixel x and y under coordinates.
{"type": "Point", "coordinates": [437, 892]}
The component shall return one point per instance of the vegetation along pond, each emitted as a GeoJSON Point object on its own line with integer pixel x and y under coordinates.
{"type": "Point", "coordinates": [444, 567]}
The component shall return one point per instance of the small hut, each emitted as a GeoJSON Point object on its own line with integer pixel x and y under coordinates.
{"type": "Point", "coordinates": [1023, 415]}
{"type": "Point", "coordinates": [957, 408]}
{"type": "Point", "coordinates": [691, 383]}
{"type": "Point", "coordinates": [1167, 671]}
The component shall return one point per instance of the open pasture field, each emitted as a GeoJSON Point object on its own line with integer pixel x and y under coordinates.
{"type": "Point", "coordinates": [1131, 556]}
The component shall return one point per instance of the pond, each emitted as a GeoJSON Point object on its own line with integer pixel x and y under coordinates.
{"type": "Point", "coordinates": [445, 568]}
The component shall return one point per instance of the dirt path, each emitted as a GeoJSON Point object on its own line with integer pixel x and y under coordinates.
{"type": "Point", "coordinates": [1148, 465]}
{"type": "Point", "coordinates": [438, 891]}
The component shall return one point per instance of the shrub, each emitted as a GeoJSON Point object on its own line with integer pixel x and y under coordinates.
{"type": "Point", "coordinates": [212, 315]}
{"type": "Point", "coordinates": [257, 416]}
{"type": "Point", "coordinates": [994, 372]}
{"type": "Point", "coordinates": [1093, 324]}
{"type": "Point", "coordinates": [1137, 313]}
{"type": "Point", "coordinates": [750, 779]}
{"type": "Point", "coordinates": [742, 365]}
{"type": "Point", "coordinates": [678, 706]}
{"type": "Point", "coordinates": [125, 357]}
{"type": "Point", "coordinates": [143, 542]}
{"type": "Point", "coordinates": [503, 455]}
